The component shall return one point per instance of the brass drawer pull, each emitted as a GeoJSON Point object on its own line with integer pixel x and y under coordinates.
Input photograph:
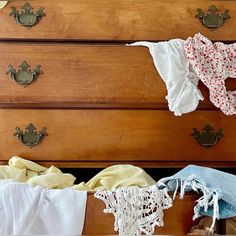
{"type": "Point", "coordinates": [207, 138]}
{"type": "Point", "coordinates": [31, 137]}
{"type": "Point", "coordinates": [27, 17]}
{"type": "Point", "coordinates": [212, 19]}
{"type": "Point", "coordinates": [24, 76]}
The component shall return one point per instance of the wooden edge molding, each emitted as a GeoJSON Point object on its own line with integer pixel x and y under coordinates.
{"type": "Point", "coordinates": [142, 164]}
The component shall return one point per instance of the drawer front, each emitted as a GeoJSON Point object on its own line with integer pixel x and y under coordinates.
{"type": "Point", "coordinates": [84, 75]}
{"type": "Point", "coordinates": [116, 136]}
{"type": "Point", "coordinates": [121, 20]}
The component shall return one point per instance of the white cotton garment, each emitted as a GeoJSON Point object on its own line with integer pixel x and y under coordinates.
{"type": "Point", "coordinates": [27, 210]}
{"type": "Point", "coordinates": [180, 79]}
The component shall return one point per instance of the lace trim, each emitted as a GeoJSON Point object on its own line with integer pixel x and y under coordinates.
{"type": "Point", "coordinates": [136, 210]}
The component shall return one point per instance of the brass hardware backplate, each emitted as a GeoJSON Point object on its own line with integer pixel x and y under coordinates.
{"type": "Point", "coordinates": [24, 76]}
{"type": "Point", "coordinates": [212, 19]}
{"type": "Point", "coordinates": [207, 138]}
{"type": "Point", "coordinates": [27, 17]}
{"type": "Point", "coordinates": [31, 137]}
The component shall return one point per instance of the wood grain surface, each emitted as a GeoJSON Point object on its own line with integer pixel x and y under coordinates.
{"type": "Point", "coordinates": [95, 136]}
{"type": "Point", "coordinates": [122, 20]}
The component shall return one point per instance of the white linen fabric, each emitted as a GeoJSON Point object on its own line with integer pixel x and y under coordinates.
{"type": "Point", "coordinates": [136, 210]}
{"type": "Point", "coordinates": [27, 210]}
{"type": "Point", "coordinates": [181, 81]}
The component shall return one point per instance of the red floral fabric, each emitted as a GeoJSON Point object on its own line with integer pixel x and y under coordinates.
{"type": "Point", "coordinates": [214, 63]}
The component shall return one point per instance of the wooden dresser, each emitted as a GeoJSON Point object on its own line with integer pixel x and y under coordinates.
{"type": "Point", "coordinates": [103, 103]}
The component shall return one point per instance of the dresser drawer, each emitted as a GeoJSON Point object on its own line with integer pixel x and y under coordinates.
{"type": "Point", "coordinates": [81, 74]}
{"type": "Point", "coordinates": [84, 75]}
{"type": "Point", "coordinates": [116, 136]}
{"type": "Point", "coordinates": [121, 20]}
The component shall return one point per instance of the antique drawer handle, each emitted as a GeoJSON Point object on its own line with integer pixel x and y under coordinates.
{"type": "Point", "coordinates": [27, 17]}
{"type": "Point", "coordinates": [30, 137]}
{"type": "Point", "coordinates": [24, 76]}
{"type": "Point", "coordinates": [207, 138]}
{"type": "Point", "coordinates": [212, 19]}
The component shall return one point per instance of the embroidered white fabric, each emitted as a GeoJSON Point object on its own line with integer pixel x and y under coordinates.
{"type": "Point", "coordinates": [136, 210]}
{"type": "Point", "coordinates": [26, 210]}
{"type": "Point", "coordinates": [181, 81]}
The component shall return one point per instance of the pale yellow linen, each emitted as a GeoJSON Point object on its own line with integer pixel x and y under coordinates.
{"type": "Point", "coordinates": [8, 172]}
{"type": "Point", "coordinates": [3, 4]}
{"type": "Point", "coordinates": [22, 170]}
{"type": "Point", "coordinates": [117, 176]}
{"type": "Point", "coordinates": [21, 163]}
{"type": "Point", "coordinates": [52, 178]}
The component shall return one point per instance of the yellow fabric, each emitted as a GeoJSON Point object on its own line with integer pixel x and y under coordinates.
{"type": "Point", "coordinates": [8, 172]}
{"type": "Point", "coordinates": [22, 170]}
{"type": "Point", "coordinates": [3, 4]}
{"type": "Point", "coordinates": [52, 178]}
{"type": "Point", "coordinates": [21, 163]}
{"type": "Point", "coordinates": [117, 176]}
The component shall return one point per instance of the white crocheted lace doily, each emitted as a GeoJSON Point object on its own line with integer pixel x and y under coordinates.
{"type": "Point", "coordinates": [136, 210]}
